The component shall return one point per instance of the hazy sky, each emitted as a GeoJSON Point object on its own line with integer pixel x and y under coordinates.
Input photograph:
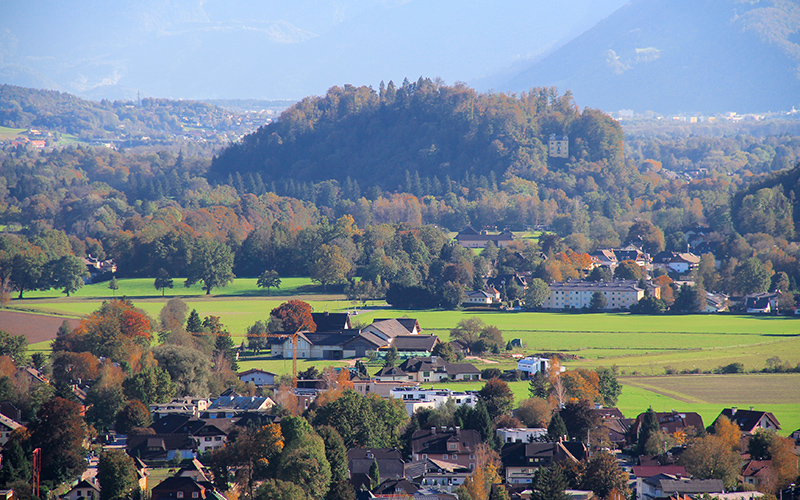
{"type": "Point", "coordinates": [275, 50]}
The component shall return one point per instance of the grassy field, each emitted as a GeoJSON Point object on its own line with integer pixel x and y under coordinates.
{"type": "Point", "coordinates": [640, 346]}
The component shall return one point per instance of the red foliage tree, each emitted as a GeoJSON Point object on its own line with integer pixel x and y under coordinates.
{"type": "Point", "coordinates": [295, 315]}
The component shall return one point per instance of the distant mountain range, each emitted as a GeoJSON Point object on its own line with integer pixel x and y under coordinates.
{"type": "Point", "coordinates": [681, 56]}
{"type": "Point", "coordinates": [666, 56]}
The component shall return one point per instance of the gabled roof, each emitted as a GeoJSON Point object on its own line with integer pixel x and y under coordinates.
{"type": "Point", "coordinates": [391, 371]}
{"type": "Point", "coordinates": [395, 326]}
{"type": "Point", "coordinates": [368, 337]}
{"type": "Point", "coordinates": [654, 470]}
{"type": "Point", "coordinates": [435, 442]}
{"type": "Point", "coordinates": [459, 368]}
{"type": "Point", "coordinates": [757, 468]}
{"type": "Point", "coordinates": [748, 420]}
{"type": "Point", "coordinates": [240, 403]}
{"type": "Point", "coordinates": [84, 484]}
{"type": "Point", "coordinates": [414, 342]}
{"type": "Point", "coordinates": [522, 454]}
{"type": "Point", "coordinates": [253, 371]}
{"type": "Point", "coordinates": [390, 461]}
{"type": "Point", "coordinates": [673, 421]}
{"type": "Point", "coordinates": [671, 484]}
{"type": "Point", "coordinates": [328, 322]}
{"type": "Point", "coordinates": [396, 486]}
{"type": "Point", "coordinates": [418, 364]}
{"type": "Point", "coordinates": [183, 483]}
{"type": "Point", "coordinates": [9, 423]}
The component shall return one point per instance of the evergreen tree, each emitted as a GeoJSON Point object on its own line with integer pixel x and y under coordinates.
{"type": "Point", "coordinates": [648, 427]}
{"type": "Point", "coordinates": [194, 324]}
{"type": "Point", "coordinates": [113, 285]}
{"type": "Point", "coordinates": [557, 429]}
{"type": "Point", "coordinates": [374, 474]}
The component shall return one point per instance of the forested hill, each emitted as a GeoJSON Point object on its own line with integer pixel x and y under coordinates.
{"type": "Point", "coordinates": [156, 118]}
{"type": "Point", "coordinates": [424, 130]}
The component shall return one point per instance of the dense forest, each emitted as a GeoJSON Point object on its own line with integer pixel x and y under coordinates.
{"type": "Point", "coordinates": [373, 180]}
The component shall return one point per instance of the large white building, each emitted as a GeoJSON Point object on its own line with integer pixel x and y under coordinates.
{"type": "Point", "coordinates": [533, 365]}
{"type": "Point", "coordinates": [416, 397]}
{"type": "Point", "coordinates": [577, 294]}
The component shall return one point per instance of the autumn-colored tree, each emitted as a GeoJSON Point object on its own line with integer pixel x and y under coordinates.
{"type": "Point", "coordinates": [468, 330]}
{"type": "Point", "coordinates": [535, 412]}
{"type": "Point", "coordinates": [728, 432]}
{"type": "Point", "coordinates": [133, 414]}
{"type": "Point", "coordinates": [329, 266]}
{"type": "Point", "coordinates": [605, 477]}
{"type": "Point", "coordinates": [558, 390]}
{"type": "Point", "coordinates": [252, 452]}
{"type": "Point", "coordinates": [59, 430]}
{"type": "Point", "coordinates": [711, 457]}
{"type": "Point", "coordinates": [582, 384]}
{"type": "Point", "coordinates": [628, 270]}
{"type": "Point", "coordinates": [111, 331]}
{"type": "Point", "coordinates": [69, 367]}
{"type": "Point", "coordinates": [664, 282]}
{"type": "Point", "coordinates": [478, 485]}
{"type": "Point", "coordinates": [497, 396]}
{"type": "Point", "coordinates": [295, 315]}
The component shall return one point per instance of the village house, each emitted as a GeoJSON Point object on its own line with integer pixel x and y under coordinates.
{"type": "Point", "coordinates": [761, 303]}
{"type": "Point", "coordinates": [750, 420]}
{"type": "Point", "coordinates": [673, 421]}
{"type": "Point", "coordinates": [413, 346]}
{"type": "Point", "coordinates": [390, 462]}
{"type": "Point", "coordinates": [184, 488]}
{"type": "Point", "coordinates": [521, 460]}
{"type": "Point", "coordinates": [454, 445]}
{"type": "Point", "coordinates": [478, 298]}
{"type": "Point", "coordinates": [470, 238]}
{"type": "Point", "coordinates": [232, 406]}
{"type": "Point", "coordinates": [641, 472]}
{"type": "Point", "coordinates": [331, 322]}
{"type": "Point", "coordinates": [676, 262]}
{"type": "Point", "coordinates": [662, 485]}
{"type": "Point", "coordinates": [187, 406]}
{"type": "Point", "coordinates": [7, 426]}
{"type": "Point", "coordinates": [86, 489]}
{"type": "Point", "coordinates": [162, 447]}
{"type": "Point", "coordinates": [257, 377]}
{"type": "Point", "coordinates": [381, 388]}
{"type": "Point", "coordinates": [429, 369]}
{"type": "Point", "coordinates": [437, 474]}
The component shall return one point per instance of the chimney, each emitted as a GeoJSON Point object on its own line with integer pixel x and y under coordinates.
{"type": "Point", "coordinates": [458, 430]}
{"type": "Point", "coordinates": [733, 410]}
{"type": "Point", "coordinates": [433, 430]}
{"type": "Point", "coordinates": [751, 408]}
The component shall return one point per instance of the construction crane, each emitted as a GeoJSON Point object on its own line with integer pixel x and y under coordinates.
{"type": "Point", "coordinates": [293, 336]}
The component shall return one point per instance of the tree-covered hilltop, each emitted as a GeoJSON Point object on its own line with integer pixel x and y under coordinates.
{"type": "Point", "coordinates": [426, 129]}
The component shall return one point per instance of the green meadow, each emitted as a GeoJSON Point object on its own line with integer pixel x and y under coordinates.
{"type": "Point", "coordinates": [643, 348]}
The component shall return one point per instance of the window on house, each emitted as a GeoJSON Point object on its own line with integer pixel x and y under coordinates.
{"type": "Point", "coordinates": [179, 494]}
{"type": "Point", "coordinates": [444, 457]}
{"type": "Point", "coordinates": [195, 494]}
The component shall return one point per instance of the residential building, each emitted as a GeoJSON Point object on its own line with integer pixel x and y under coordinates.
{"type": "Point", "coordinates": [88, 490]}
{"type": "Point", "coordinates": [381, 388]}
{"type": "Point", "coordinates": [532, 365]}
{"type": "Point", "coordinates": [388, 328]}
{"type": "Point", "coordinates": [429, 369]}
{"type": "Point", "coordinates": [673, 421]}
{"type": "Point", "coordinates": [390, 462]}
{"type": "Point", "coordinates": [258, 377]}
{"type": "Point", "coordinates": [755, 473]}
{"type": "Point", "coordinates": [187, 406]}
{"type": "Point", "coordinates": [751, 420]}
{"type": "Point", "coordinates": [454, 445]}
{"type": "Point", "coordinates": [479, 298]}
{"type": "Point", "coordinates": [184, 488]}
{"type": "Point", "coordinates": [7, 426]}
{"type": "Point", "coordinates": [520, 434]}
{"type": "Point", "coordinates": [231, 406]}
{"type": "Point", "coordinates": [761, 303]}
{"type": "Point", "coordinates": [558, 146]}
{"type": "Point", "coordinates": [437, 474]}
{"type": "Point", "coordinates": [315, 345]}
{"type": "Point", "coordinates": [412, 346]}
{"type": "Point", "coordinates": [162, 447]}
{"type": "Point", "coordinates": [662, 485]}
{"type": "Point", "coordinates": [363, 343]}
{"type": "Point", "coordinates": [470, 238]}
{"type": "Point", "coordinates": [577, 294]}
{"type": "Point", "coordinates": [416, 397]}
{"type": "Point", "coordinates": [641, 472]}
{"type": "Point", "coordinates": [521, 460]}
{"type": "Point", "coordinates": [331, 322]}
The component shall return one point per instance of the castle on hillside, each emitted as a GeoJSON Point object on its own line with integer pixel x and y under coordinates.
{"type": "Point", "coordinates": [558, 146]}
